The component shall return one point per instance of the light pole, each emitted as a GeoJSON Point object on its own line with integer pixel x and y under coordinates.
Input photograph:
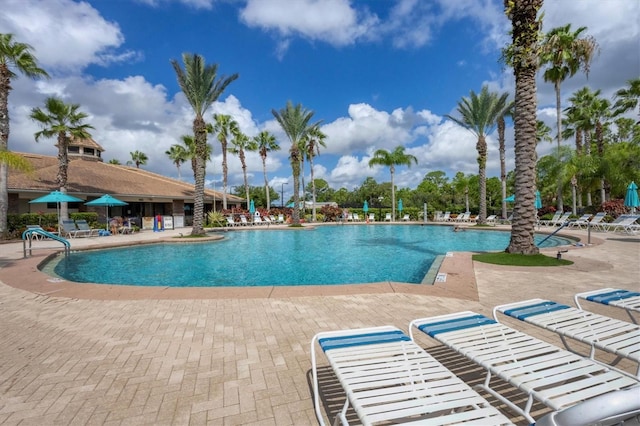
{"type": "Point", "coordinates": [380, 199]}
{"type": "Point", "coordinates": [282, 194]}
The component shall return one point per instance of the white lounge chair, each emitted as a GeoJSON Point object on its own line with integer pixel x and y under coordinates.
{"type": "Point", "coordinates": [83, 227]}
{"type": "Point", "coordinates": [555, 377]}
{"type": "Point", "coordinates": [356, 217]}
{"type": "Point", "coordinates": [626, 224]}
{"type": "Point", "coordinates": [389, 379]}
{"type": "Point", "coordinates": [280, 218]}
{"type": "Point", "coordinates": [619, 298]}
{"type": "Point", "coordinates": [553, 220]}
{"type": "Point", "coordinates": [387, 217]}
{"type": "Point", "coordinates": [230, 221]}
{"type": "Point", "coordinates": [597, 331]}
{"type": "Point", "coordinates": [581, 222]}
{"type": "Point", "coordinates": [596, 221]}
{"type": "Point", "coordinates": [244, 221]}
{"type": "Point", "coordinates": [372, 217]}
{"type": "Point", "coordinates": [406, 218]}
{"type": "Point", "coordinates": [446, 217]}
{"type": "Point", "coordinates": [491, 220]}
{"type": "Point", "coordinates": [563, 220]}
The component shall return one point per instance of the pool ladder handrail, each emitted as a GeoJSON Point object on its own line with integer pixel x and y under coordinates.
{"type": "Point", "coordinates": [28, 235]}
{"type": "Point", "coordinates": [553, 233]}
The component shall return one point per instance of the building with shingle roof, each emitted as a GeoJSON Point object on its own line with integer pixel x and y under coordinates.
{"type": "Point", "coordinates": [89, 177]}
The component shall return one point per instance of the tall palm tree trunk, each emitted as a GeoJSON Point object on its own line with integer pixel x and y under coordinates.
{"type": "Point", "coordinates": [481, 146]}
{"type": "Point", "coordinates": [503, 167]}
{"type": "Point", "coordinates": [559, 137]}
{"type": "Point", "coordinates": [266, 182]}
{"type": "Point", "coordinates": [244, 173]}
{"type": "Point", "coordinates": [525, 29]}
{"type": "Point", "coordinates": [225, 172]}
{"type": "Point", "coordinates": [5, 87]}
{"type": "Point", "coordinates": [313, 191]}
{"type": "Point", "coordinates": [62, 175]}
{"type": "Point", "coordinates": [392, 169]}
{"type": "Point", "coordinates": [294, 155]}
{"type": "Point", "coordinates": [200, 132]}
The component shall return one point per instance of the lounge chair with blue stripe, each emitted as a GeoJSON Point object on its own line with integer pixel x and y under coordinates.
{"type": "Point", "coordinates": [611, 335]}
{"type": "Point", "coordinates": [389, 379]}
{"type": "Point", "coordinates": [619, 298]}
{"type": "Point", "coordinates": [546, 373]}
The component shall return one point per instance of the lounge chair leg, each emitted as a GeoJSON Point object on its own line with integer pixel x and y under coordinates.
{"type": "Point", "coordinates": [343, 414]}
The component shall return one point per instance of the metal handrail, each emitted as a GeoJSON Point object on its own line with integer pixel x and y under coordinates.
{"type": "Point", "coordinates": [29, 234]}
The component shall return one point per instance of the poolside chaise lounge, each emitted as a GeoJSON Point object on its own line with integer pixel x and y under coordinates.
{"type": "Point", "coordinates": [555, 377]}
{"type": "Point", "coordinates": [554, 219]}
{"type": "Point", "coordinates": [83, 226]}
{"type": "Point", "coordinates": [491, 220]}
{"type": "Point", "coordinates": [389, 379]}
{"type": "Point", "coordinates": [582, 221]}
{"type": "Point", "coordinates": [406, 218]}
{"type": "Point", "coordinates": [372, 217]}
{"type": "Point", "coordinates": [387, 217]}
{"type": "Point", "coordinates": [619, 298]}
{"type": "Point", "coordinates": [69, 230]}
{"type": "Point", "coordinates": [626, 224]}
{"type": "Point", "coordinates": [617, 337]}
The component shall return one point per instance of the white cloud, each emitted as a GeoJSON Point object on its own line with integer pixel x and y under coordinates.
{"type": "Point", "coordinates": [65, 35]}
{"type": "Point", "coordinates": [332, 21]}
{"type": "Point", "coordinates": [196, 4]}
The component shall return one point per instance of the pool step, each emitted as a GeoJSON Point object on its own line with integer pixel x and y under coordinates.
{"type": "Point", "coordinates": [432, 275]}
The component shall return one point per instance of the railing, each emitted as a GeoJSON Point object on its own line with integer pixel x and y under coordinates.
{"type": "Point", "coordinates": [29, 235]}
{"type": "Point", "coordinates": [553, 233]}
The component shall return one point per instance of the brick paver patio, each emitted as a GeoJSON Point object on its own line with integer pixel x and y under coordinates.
{"type": "Point", "coordinates": [172, 357]}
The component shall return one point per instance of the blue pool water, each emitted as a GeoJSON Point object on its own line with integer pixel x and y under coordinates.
{"type": "Point", "coordinates": [325, 255]}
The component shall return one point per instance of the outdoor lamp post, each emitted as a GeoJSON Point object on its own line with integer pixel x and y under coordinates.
{"type": "Point", "coordinates": [282, 194]}
{"type": "Point", "coordinates": [380, 199]}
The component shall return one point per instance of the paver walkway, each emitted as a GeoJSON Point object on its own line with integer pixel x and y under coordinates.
{"type": "Point", "coordinates": [227, 361]}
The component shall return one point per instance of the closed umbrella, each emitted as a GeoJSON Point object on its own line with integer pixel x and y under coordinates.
{"type": "Point", "coordinates": [538, 203]}
{"type": "Point", "coordinates": [107, 201]}
{"type": "Point", "coordinates": [400, 205]}
{"type": "Point", "coordinates": [56, 197]}
{"type": "Point", "coordinates": [631, 198]}
{"type": "Point", "coordinates": [252, 209]}
{"type": "Point", "coordinates": [365, 207]}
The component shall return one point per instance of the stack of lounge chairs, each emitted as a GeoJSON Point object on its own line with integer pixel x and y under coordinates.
{"type": "Point", "coordinates": [389, 379]}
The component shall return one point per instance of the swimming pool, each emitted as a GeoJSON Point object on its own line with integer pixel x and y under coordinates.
{"type": "Point", "coordinates": [326, 255]}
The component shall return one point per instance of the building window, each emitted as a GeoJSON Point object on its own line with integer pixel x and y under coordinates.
{"type": "Point", "coordinates": [73, 150]}
{"type": "Point", "coordinates": [89, 151]}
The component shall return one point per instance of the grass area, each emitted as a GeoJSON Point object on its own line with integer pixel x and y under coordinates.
{"type": "Point", "coordinates": [520, 259]}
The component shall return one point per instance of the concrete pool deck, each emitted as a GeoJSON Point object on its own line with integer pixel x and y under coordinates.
{"type": "Point", "coordinates": [72, 354]}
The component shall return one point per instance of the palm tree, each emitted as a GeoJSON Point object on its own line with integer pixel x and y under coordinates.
{"type": "Point", "coordinates": [225, 127]}
{"type": "Point", "coordinates": [242, 143]}
{"type": "Point", "coordinates": [138, 158]}
{"type": "Point", "coordinates": [522, 55]}
{"type": "Point", "coordinates": [64, 121]}
{"type": "Point", "coordinates": [397, 157]}
{"type": "Point", "coordinates": [628, 99]}
{"type": "Point", "coordinates": [479, 115]}
{"type": "Point", "coordinates": [312, 143]}
{"type": "Point", "coordinates": [201, 87]}
{"type": "Point", "coordinates": [266, 143]}
{"type": "Point", "coordinates": [179, 155]}
{"type": "Point", "coordinates": [114, 161]}
{"type": "Point", "coordinates": [508, 111]}
{"type": "Point", "coordinates": [294, 121]}
{"type": "Point", "coordinates": [565, 53]}
{"type": "Point", "coordinates": [190, 148]}
{"type": "Point", "coordinates": [15, 58]}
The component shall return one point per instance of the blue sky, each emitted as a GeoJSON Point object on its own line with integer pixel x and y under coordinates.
{"type": "Point", "coordinates": [377, 73]}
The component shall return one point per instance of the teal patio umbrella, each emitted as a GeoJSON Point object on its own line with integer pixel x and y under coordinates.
{"type": "Point", "coordinates": [400, 205]}
{"type": "Point", "coordinates": [56, 197]}
{"type": "Point", "coordinates": [538, 202]}
{"type": "Point", "coordinates": [365, 207]}
{"type": "Point", "coordinates": [106, 201]}
{"type": "Point", "coordinates": [252, 209]}
{"type": "Point", "coordinates": [631, 198]}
